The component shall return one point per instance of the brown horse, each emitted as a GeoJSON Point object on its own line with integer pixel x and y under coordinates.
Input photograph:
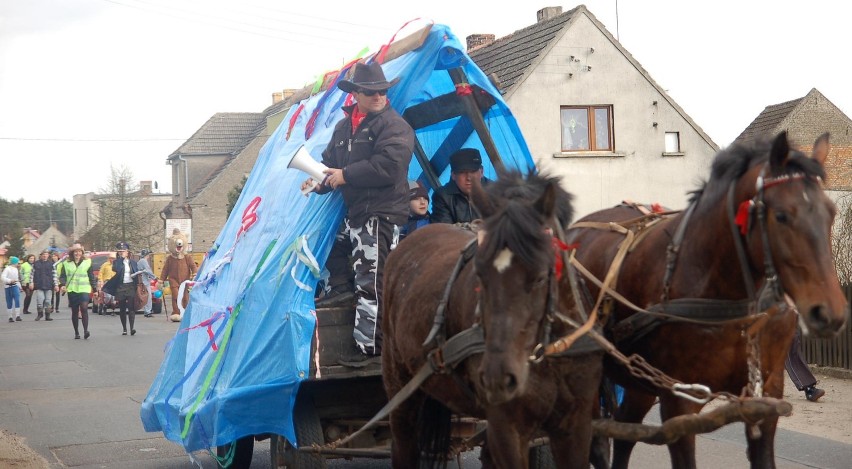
{"type": "Point", "coordinates": [510, 290]}
{"type": "Point", "coordinates": [782, 229]}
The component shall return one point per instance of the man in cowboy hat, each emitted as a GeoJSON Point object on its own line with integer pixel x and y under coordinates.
{"type": "Point", "coordinates": [368, 158]}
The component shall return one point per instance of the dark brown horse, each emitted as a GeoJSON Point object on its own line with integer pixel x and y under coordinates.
{"type": "Point", "coordinates": [777, 196]}
{"type": "Point", "coordinates": [510, 289]}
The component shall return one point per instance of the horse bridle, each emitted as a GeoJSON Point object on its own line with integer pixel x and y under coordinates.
{"type": "Point", "coordinates": [741, 224]}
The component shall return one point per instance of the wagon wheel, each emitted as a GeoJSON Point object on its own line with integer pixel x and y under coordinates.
{"type": "Point", "coordinates": [242, 453]}
{"type": "Point", "coordinates": [308, 428]}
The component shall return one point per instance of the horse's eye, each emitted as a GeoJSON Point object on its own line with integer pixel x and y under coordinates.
{"type": "Point", "coordinates": [539, 280]}
{"type": "Point", "coordinates": [781, 217]}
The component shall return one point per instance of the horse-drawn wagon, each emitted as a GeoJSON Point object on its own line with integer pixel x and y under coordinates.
{"type": "Point", "coordinates": [254, 359]}
{"type": "Point", "coordinates": [242, 365]}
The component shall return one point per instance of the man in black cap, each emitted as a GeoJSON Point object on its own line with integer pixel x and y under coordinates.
{"type": "Point", "coordinates": [368, 158]}
{"type": "Point", "coordinates": [451, 202]}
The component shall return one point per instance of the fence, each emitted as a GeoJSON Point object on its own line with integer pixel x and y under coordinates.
{"type": "Point", "coordinates": [836, 352]}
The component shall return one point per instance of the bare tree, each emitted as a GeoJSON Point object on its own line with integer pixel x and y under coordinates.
{"type": "Point", "coordinates": [841, 239]}
{"type": "Point", "coordinates": [125, 214]}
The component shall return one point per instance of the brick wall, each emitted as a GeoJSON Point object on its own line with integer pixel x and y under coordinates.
{"type": "Point", "coordinates": [815, 117]}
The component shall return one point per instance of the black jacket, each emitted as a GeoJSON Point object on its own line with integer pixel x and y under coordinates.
{"type": "Point", "coordinates": [118, 267]}
{"type": "Point", "coordinates": [451, 205]}
{"type": "Point", "coordinates": [43, 275]}
{"type": "Point", "coordinates": [375, 163]}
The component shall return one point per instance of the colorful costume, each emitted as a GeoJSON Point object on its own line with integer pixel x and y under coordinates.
{"type": "Point", "coordinates": [178, 268]}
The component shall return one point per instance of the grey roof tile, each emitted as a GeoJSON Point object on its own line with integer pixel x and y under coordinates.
{"type": "Point", "coordinates": [224, 133]}
{"type": "Point", "coordinates": [768, 120]}
{"type": "Point", "coordinates": [509, 57]}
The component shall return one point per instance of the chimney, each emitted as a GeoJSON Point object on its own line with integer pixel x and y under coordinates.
{"type": "Point", "coordinates": [279, 96]}
{"type": "Point", "coordinates": [547, 13]}
{"type": "Point", "coordinates": [479, 40]}
{"type": "Point", "coordinates": [146, 187]}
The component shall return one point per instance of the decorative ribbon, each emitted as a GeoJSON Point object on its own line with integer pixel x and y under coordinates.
{"type": "Point", "coordinates": [249, 216]}
{"type": "Point", "coordinates": [293, 120]}
{"type": "Point", "coordinates": [316, 352]}
{"type": "Point", "coordinates": [464, 89]}
{"type": "Point", "coordinates": [311, 124]}
{"type": "Point", "coordinates": [209, 325]}
{"type": "Point", "coordinates": [383, 50]}
{"type": "Point", "coordinates": [299, 252]}
{"type": "Point", "coordinates": [229, 326]}
{"type": "Point", "coordinates": [743, 215]}
{"type": "Point", "coordinates": [558, 247]}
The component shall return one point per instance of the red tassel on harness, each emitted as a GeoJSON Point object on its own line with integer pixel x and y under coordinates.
{"type": "Point", "coordinates": [743, 215]}
{"type": "Point", "coordinates": [558, 247]}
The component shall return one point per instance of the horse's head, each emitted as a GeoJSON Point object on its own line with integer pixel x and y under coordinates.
{"type": "Point", "coordinates": [796, 222]}
{"type": "Point", "coordinates": [514, 263]}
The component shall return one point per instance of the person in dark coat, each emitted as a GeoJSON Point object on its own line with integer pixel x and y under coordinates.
{"type": "Point", "coordinates": [44, 283]}
{"type": "Point", "coordinates": [367, 159]}
{"type": "Point", "coordinates": [451, 202]}
{"type": "Point", "coordinates": [122, 286]}
{"type": "Point", "coordinates": [419, 206]}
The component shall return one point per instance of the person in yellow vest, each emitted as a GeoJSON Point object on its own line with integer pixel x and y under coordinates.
{"type": "Point", "coordinates": [104, 274]}
{"type": "Point", "coordinates": [77, 279]}
{"type": "Point", "coordinates": [27, 281]}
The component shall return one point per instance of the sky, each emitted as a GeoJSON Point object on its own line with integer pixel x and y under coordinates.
{"type": "Point", "coordinates": [87, 86]}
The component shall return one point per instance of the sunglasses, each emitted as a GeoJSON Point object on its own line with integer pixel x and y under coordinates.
{"type": "Point", "coordinates": [372, 92]}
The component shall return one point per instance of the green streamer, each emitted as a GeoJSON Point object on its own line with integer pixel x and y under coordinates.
{"type": "Point", "coordinates": [226, 336]}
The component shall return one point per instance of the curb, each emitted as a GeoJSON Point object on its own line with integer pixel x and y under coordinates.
{"type": "Point", "coordinates": [832, 372]}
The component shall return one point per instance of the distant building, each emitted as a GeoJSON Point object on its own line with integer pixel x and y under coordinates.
{"type": "Point", "coordinates": [51, 238]}
{"type": "Point", "coordinates": [805, 119]}
{"type": "Point", "coordinates": [206, 167]}
{"type": "Point", "coordinates": [592, 114]}
{"type": "Point", "coordinates": [87, 213]}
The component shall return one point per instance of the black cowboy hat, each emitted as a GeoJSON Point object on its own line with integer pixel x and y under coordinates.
{"type": "Point", "coordinates": [368, 77]}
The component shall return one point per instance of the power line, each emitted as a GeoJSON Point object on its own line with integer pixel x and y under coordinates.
{"type": "Point", "coordinates": [27, 139]}
{"type": "Point", "coordinates": [230, 22]}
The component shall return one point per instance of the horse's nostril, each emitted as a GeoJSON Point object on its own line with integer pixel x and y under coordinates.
{"type": "Point", "coordinates": [511, 382]}
{"type": "Point", "coordinates": [818, 316]}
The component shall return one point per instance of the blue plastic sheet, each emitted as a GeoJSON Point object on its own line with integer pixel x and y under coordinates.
{"type": "Point", "coordinates": [234, 367]}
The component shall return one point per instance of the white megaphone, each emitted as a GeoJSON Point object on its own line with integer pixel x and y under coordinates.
{"type": "Point", "coordinates": [303, 161]}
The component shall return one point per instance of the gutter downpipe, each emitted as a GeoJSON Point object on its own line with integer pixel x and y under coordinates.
{"type": "Point", "coordinates": [185, 178]}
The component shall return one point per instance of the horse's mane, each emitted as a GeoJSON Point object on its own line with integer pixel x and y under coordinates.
{"type": "Point", "coordinates": [516, 224]}
{"type": "Point", "coordinates": [733, 162]}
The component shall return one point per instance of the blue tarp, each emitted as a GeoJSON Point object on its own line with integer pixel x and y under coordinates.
{"type": "Point", "coordinates": [243, 346]}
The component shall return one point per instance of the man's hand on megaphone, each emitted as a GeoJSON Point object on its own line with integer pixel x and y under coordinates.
{"type": "Point", "coordinates": [335, 177]}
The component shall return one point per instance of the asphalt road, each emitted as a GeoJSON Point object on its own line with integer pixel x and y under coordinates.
{"type": "Point", "coordinates": [76, 402]}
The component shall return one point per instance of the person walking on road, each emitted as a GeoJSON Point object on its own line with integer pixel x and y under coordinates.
{"type": "Point", "coordinates": [123, 286]}
{"type": "Point", "coordinates": [12, 283]}
{"type": "Point", "coordinates": [145, 275]}
{"type": "Point", "coordinates": [43, 283]}
{"type": "Point", "coordinates": [54, 258]}
{"type": "Point", "coordinates": [799, 371]}
{"type": "Point", "coordinates": [76, 279]}
{"type": "Point", "coordinates": [27, 281]}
